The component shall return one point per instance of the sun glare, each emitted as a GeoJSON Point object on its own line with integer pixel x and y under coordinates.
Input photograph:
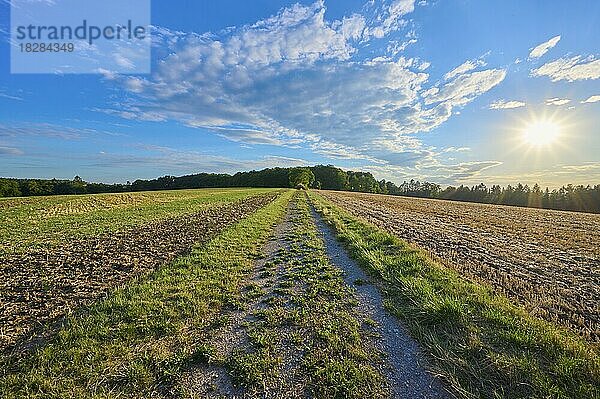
{"type": "Point", "coordinates": [541, 133]}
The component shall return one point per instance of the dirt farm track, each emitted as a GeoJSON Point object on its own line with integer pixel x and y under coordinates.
{"type": "Point", "coordinates": [547, 260]}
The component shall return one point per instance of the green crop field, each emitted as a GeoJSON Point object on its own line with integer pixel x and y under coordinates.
{"type": "Point", "coordinates": [254, 293]}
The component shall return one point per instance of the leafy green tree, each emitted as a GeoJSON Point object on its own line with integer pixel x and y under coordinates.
{"type": "Point", "coordinates": [363, 182]}
{"type": "Point", "coordinates": [9, 188]}
{"type": "Point", "coordinates": [301, 176]}
{"type": "Point", "coordinates": [331, 178]}
{"type": "Point", "coordinates": [31, 187]}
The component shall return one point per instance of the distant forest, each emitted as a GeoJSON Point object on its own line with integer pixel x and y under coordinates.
{"type": "Point", "coordinates": [570, 197]}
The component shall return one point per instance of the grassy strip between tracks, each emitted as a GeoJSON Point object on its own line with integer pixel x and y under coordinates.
{"type": "Point", "coordinates": [136, 342]}
{"type": "Point", "coordinates": [337, 358]}
{"type": "Point", "coordinates": [305, 337]}
{"type": "Point", "coordinates": [483, 345]}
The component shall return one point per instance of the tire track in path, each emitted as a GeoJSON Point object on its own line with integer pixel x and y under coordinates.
{"type": "Point", "coordinates": [405, 364]}
{"type": "Point", "coordinates": [229, 337]}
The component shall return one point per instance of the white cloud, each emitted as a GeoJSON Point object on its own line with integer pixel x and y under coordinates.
{"type": "Point", "coordinates": [10, 97]}
{"type": "Point", "coordinates": [557, 101]}
{"type": "Point", "coordinates": [466, 170]}
{"type": "Point", "coordinates": [123, 61]}
{"type": "Point", "coordinates": [106, 74]}
{"type": "Point", "coordinates": [570, 69]}
{"type": "Point", "coordinates": [401, 7]}
{"type": "Point", "coordinates": [395, 12]}
{"type": "Point", "coordinates": [435, 171]}
{"type": "Point", "coordinates": [31, 129]}
{"type": "Point", "coordinates": [554, 177]}
{"type": "Point", "coordinates": [394, 47]}
{"type": "Point", "coordinates": [467, 66]}
{"type": "Point", "coordinates": [466, 87]}
{"type": "Point", "coordinates": [135, 85]}
{"type": "Point", "coordinates": [543, 48]}
{"type": "Point", "coordinates": [424, 65]}
{"type": "Point", "coordinates": [292, 80]}
{"type": "Point", "coordinates": [184, 161]}
{"type": "Point", "coordinates": [592, 99]}
{"type": "Point", "coordinates": [504, 104]}
{"type": "Point", "coordinates": [457, 149]}
{"type": "Point", "coordinates": [585, 167]}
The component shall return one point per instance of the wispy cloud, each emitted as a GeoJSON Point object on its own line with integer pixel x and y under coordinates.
{"type": "Point", "coordinates": [466, 87]}
{"type": "Point", "coordinates": [391, 18]}
{"type": "Point", "coordinates": [438, 172]}
{"type": "Point", "coordinates": [570, 69]}
{"type": "Point", "coordinates": [10, 151]}
{"type": "Point", "coordinates": [185, 161]}
{"type": "Point", "coordinates": [467, 66]}
{"type": "Point", "coordinates": [31, 129]}
{"type": "Point", "coordinates": [543, 48]}
{"type": "Point", "coordinates": [554, 177]}
{"type": "Point", "coordinates": [10, 97]}
{"type": "Point", "coordinates": [557, 101]}
{"type": "Point", "coordinates": [506, 104]}
{"type": "Point", "coordinates": [592, 99]}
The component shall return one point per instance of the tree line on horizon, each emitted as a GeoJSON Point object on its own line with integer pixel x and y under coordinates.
{"type": "Point", "coordinates": [326, 177]}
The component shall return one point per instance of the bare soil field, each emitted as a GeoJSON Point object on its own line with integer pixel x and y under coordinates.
{"type": "Point", "coordinates": [548, 261]}
{"type": "Point", "coordinates": [41, 285]}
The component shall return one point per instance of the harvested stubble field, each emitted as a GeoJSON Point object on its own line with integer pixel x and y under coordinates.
{"type": "Point", "coordinates": [549, 261]}
{"type": "Point", "coordinates": [79, 247]}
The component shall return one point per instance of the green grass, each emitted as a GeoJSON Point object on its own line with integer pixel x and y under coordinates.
{"type": "Point", "coordinates": [482, 344]}
{"type": "Point", "coordinates": [45, 221]}
{"type": "Point", "coordinates": [338, 361]}
{"type": "Point", "coordinates": [143, 336]}
{"type": "Point", "coordinates": [306, 328]}
{"type": "Point", "coordinates": [137, 341]}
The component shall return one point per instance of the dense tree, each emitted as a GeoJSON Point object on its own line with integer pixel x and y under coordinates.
{"type": "Point", "coordinates": [330, 177]}
{"type": "Point", "coordinates": [9, 188]}
{"type": "Point", "coordinates": [569, 197]}
{"type": "Point", "coordinates": [363, 182]}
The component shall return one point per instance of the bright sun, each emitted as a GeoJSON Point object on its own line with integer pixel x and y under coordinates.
{"type": "Point", "coordinates": [541, 133]}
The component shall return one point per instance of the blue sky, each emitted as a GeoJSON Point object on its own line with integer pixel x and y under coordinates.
{"type": "Point", "coordinates": [455, 92]}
